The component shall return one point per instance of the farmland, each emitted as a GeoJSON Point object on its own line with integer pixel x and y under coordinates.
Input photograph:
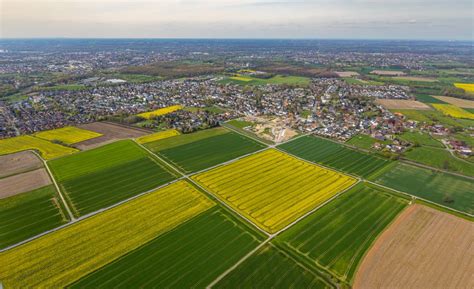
{"type": "Point", "coordinates": [424, 248]}
{"type": "Point", "coordinates": [28, 214]}
{"type": "Point", "coordinates": [453, 111]}
{"type": "Point", "coordinates": [468, 87]}
{"type": "Point", "coordinates": [449, 190]}
{"type": "Point", "coordinates": [68, 135]}
{"type": "Point", "coordinates": [365, 141]}
{"type": "Point", "coordinates": [337, 236]}
{"type": "Point", "coordinates": [64, 256]}
{"type": "Point", "coordinates": [271, 268]}
{"type": "Point", "coordinates": [422, 139]}
{"type": "Point", "coordinates": [278, 79]}
{"type": "Point", "coordinates": [273, 189]}
{"type": "Point", "coordinates": [435, 117]}
{"type": "Point", "coordinates": [160, 111]}
{"type": "Point", "coordinates": [110, 132]}
{"type": "Point", "coordinates": [47, 150]}
{"type": "Point", "coordinates": [464, 103]}
{"type": "Point", "coordinates": [334, 155]}
{"type": "Point", "coordinates": [190, 256]}
{"type": "Point", "coordinates": [103, 176]}
{"type": "Point", "coordinates": [18, 162]}
{"type": "Point", "coordinates": [23, 182]}
{"type": "Point", "coordinates": [206, 152]}
{"type": "Point", "coordinates": [402, 104]}
{"type": "Point", "coordinates": [157, 136]}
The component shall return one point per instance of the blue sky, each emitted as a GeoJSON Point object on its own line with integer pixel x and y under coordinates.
{"type": "Point", "coordinates": [364, 19]}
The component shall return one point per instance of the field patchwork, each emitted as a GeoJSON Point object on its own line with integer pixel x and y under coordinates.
{"type": "Point", "coordinates": [23, 182]}
{"type": "Point", "coordinates": [464, 103]}
{"type": "Point", "coordinates": [46, 149]}
{"type": "Point", "coordinates": [68, 135]}
{"type": "Point", "coordinates": [161, 111]}
{"type": "Point", "coordinates": [110, 132]}
{"type": "Point", "coordinates": [18, 163]}
{"type": "Point", "coordinates": [337, 235]}
{"type": "Point", "coordinates": [190, 256]}
{"type": "Point", "coordinates": [106, 175]}
{"type": "Point", "coordinates": [191, 153]}
{"type": "Point", "coordinates": [157, 136]}
{"type": "Point", "coordinates": [468, 87]}
{"type": "Point", "coordinates": [445, 189]}
{"type": "Point", "coordinates": [335, 155]}
{"type": "Point", "coordinates": [423, 248]}
{"type": "Point", "coordinates": [28, 214]}
{"type": "Point", "coordinates": [273, 189]}
{"type": "Point", "coordinates": [453, 111]}
{"type": "Point", "coordinates": [272, 268]}
{"type": "Point", "coordinates": [402, 104]}
{"type": "Point", "coordinates": [64, 256]}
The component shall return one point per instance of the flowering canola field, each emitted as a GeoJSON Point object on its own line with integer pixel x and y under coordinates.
{"type": "Point", "coordinates": [48, 150]}
{"type": "Point", "coordinates": [453, 111]}
{"type": "Point", "coordinates": [161, 111]}
{"type": "Point", "coordinates": [468, 87]}
{"type": "Point", "coordinates": [273, 189]}
{"type": "Point", "coordinates": [157, 136]}
{"type": "Point", "coordinates": [68, 135]}
{"type": "Point", "coordinates": [62, 257]}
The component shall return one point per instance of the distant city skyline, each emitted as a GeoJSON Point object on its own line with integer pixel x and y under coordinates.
{"type": "Point", "coordinates": [330, 19]}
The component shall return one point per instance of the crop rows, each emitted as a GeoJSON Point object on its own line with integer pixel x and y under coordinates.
{"type": "Point", "coordinates": [334, 155]}
{"type": "Point", "coordinates": [337, 236]}
{"type": "Point", "coordinates": [64, 256]}
{"type": "Point", "coordinates": [273, 189]}
{"type": "Point", "coordinates": [190, 256]}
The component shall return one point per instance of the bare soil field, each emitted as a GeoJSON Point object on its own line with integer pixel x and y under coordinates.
{"type": "Point", "coordinates": [464, 103]}
{"type": "Point", "coordinates": [388, 72]}
{"type": "Point", "coordinates": [423, 248]}
{"type": "Point", "coordinates": [24, 182]}
{"type": "Point", "coordinates": [402, 104]}
{"type": "Point", "coordinates": [110, 132]}
{"type": "Point", "coordinates": [416, 78]}
{"type": "Point", "coordinates": [18, 163]}
{"type": "Point", "coordinates": [346, 73]}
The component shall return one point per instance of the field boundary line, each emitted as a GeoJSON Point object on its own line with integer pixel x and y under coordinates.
{"type": "Point", "coordinates": [63, 199]}
{"type": "Point", "coordinates": [417, 164]}
{"type": "Point", "coordinates": [86, 216]}
{"type": "Point", "coordinates": [420, 198]}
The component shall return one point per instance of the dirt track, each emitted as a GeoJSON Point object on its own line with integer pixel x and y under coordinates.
{"type": "Point", "coordinates": [423, 248]}
{"type": "Point", "coordinates": [111, 132]}
{"type": "Point", "coordinates": [402, 104]}
{"type": "Point", "coordinates": [18, 162]}
{"type": "Point", "coordinates": [24, 182]}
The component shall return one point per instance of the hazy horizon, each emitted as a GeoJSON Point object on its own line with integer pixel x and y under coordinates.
{"type": "Point", "coordinates": [232, 19]}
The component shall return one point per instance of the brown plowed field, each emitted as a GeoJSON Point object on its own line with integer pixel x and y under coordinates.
{"type": "Point", "coordinates": [464, 103]}
{"type": "Point", "coordinates": [24, 182]}
{"type": "Point", "coordinates": [110, 133]}
{"type": "Point", "coordinates": [402, 104]}
{"type": "Point", "coordinates": [18, 163]}
{"type": "Point", "coordinates": [423, 248]}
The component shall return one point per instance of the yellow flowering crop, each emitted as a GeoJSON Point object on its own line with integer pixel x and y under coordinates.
{"type": "Point", "coordinates": [48, 150]}
{"type": "Point", "coordinates": [452, 110]}
{"type": "Point", "coordinates": [68, 135]}
{"type": "Point", "coordinates": [273, 189]}
{"type": "Point", "coordinates": [468, 87]}
{"type": "Point", "coordinates": [157, 136]}
{"type": "Point", "coordinates": [62, 257]}
{"type": "Point", "coordinates": [161, 111]}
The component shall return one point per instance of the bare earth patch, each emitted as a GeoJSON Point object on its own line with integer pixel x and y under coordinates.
{"type": "Point", "coordinates": [24, 182]}
{"type": "Point", "coordinates": [388, 72]}
{"type": "Point", "coordinates": [423, 248]}
{"type": "Point", "coordinates": [346, 73]}
{"type": "Point", "coordinates": [464, 103]}
{"type": "Point", "coordinates": [18, 162]}
{"type": "Point", "coordinates": [110, 132]}
{"type": "Point", "coordinates": [402, 104]}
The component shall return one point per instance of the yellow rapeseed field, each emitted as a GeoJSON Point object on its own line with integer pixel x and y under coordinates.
{"type": "Point", "coordinates": [452, 110]}
{"type": "Point", "coordinates": [157, 136]}
{"type": "Point", "coordinates": [62, 257]}
{"type": "Point", "coordinates": [468, 87]}
{"type": "Point", "coordinates": [48, 150]}
{"type": "Point", "coordinates": [273, 189]}
{"type": "Point", "coordinates": [68, 135]}
{"type": "Point", "coordinates": [161, 111]}
{"type": "Point", "coordinates": [241, 78]}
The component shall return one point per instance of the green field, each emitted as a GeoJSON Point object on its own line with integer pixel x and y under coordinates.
{"type": "Point", "coordinates": [104, 176]}
{"type": "Point", "coordinates": [440, 158]}
{"type": "Point", "coordinates": [29, 214]}
{"type": "Point", "coordinates": [272, 268]}
{"type": "Point", "coordinates": [365, 141]}
{"type": "Point", "coordinates": [337, 236]}
{"type": "Point", "coordinates": [423, 139]}
{"type": "Point", "coordinates": [434, 117]}
{"type": "Point", "coordinates": [204, 152]}
{"type": "Point", "coordinates": [334, 155]}
{"type": "Point", "coordinates": [445, 189]}
{"type": "Point", "coordinates": [278, 79]}
{"type": "Point", "coordinates": [190, 256]}
{"type": "Point", "coordinates": [426, 98]}
{"type": "Point", "coordinates": [240, 123]}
